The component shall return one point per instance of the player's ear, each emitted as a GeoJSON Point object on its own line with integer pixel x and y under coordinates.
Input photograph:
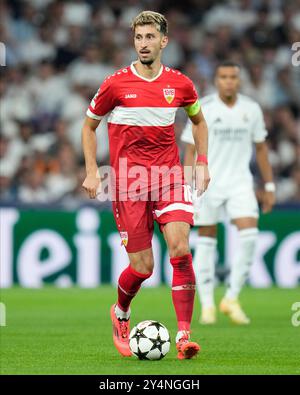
{"type": "Point", "coordinates": [164, 42]}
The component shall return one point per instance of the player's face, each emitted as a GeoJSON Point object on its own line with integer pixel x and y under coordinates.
{"type": "Point", "coordinates": [228, 81]}
{"type": "Point", "coordinates": [148, 43]}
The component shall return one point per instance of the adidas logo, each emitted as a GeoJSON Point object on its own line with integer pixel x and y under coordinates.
{"type": "Point", "coordinates": [218, 120]}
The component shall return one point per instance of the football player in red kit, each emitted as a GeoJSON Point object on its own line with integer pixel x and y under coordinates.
{"type": "Point", "coordinates": [140, 103]}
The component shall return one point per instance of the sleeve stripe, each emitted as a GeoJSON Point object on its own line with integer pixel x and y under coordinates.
{"type": "Point", "coordinates": [90, 114]}
{"type": "Point", "coordinates": [260, 139]}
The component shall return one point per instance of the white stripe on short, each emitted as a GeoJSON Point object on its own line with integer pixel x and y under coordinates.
{"type": "Point", "coordinates": [175, 206]}
{"type": "Point", "coordinates": [143, 116]}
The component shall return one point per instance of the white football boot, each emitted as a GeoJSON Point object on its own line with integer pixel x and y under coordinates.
{"type": "Point", "coordinates": [233, 309]}
{"type": "Point", "coordinates": [208, 315]}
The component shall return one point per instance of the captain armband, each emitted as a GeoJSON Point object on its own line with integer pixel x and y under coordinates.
{"type": "Point", "coordinates": [193, 109]}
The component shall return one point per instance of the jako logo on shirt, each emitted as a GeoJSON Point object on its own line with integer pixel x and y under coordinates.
{"type": "Point", "coordinates": [169, 95]}
{"type": "Point", "coordinates": [131, 96]}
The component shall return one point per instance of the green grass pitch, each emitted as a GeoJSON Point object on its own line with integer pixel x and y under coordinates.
{"type": "Point", "coordinates": [68, 331]}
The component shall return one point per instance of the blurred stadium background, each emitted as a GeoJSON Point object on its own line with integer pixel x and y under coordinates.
{"type": "Point", "coordinates": [57, 53]}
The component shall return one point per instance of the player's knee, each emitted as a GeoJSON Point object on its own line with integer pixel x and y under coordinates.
{"type": "Point", "coordinates": [179, 248]}
{"type": "Point", "coordinates": [148, 266]}
{"type": "Point", "coordinates": [144, 265]}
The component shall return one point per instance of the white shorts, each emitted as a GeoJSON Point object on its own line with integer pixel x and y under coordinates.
{"type": "Point", "coordinates": [238, 202]}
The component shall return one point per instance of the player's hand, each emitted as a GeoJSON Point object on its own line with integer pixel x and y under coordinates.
{"type": "Point", "coordinates": [202, 178]}
{"type": "Point", "coordinates": [268, 201]}
{"type": "Point", "coordinates": [91, 184]}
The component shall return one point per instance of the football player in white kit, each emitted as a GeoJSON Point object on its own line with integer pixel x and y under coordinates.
{"type": "Point", "coordinates": [234, 122]}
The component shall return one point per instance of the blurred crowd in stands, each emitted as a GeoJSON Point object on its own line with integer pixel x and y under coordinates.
{"type": "Point", "coordinates": [58, 52]}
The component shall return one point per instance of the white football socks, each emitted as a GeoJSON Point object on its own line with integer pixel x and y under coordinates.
{"type": "Point", "coordinates": [180, 334]}
{"type": "Point", "coordinates": [122, 315]}
{"type": "Point", "coordinates": [204, 265]}
{"type": "Point", "coordinates": [242, 261]}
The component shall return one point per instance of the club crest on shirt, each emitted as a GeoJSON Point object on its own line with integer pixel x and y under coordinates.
{"type": "Point", "coordinates": [169, 94]}
{"type": "Point", "coordinates": [124, 238]}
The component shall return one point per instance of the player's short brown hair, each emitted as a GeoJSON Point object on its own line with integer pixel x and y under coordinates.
{"type": "Point", "coordinates": [151, 18]}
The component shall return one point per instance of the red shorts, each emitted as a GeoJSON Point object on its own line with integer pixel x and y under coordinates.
{"type": "Point", "coordinates": [135, 219]}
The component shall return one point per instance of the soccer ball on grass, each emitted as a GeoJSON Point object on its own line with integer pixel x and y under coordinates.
{"type": "Point", "coordinates": [149, 340]}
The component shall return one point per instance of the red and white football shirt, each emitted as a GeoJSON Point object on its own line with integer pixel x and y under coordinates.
{"type": "Point", "coordinates": [140, 115]}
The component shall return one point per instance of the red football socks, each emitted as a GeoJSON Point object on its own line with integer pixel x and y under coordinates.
{"type": "Point", "coordinates": [183, 290]}
{"type": "Point", "coordinates": [129, 283]}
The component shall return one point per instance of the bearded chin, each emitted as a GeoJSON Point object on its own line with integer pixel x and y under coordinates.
{"type": "Point", "coordinates": [147, 62]}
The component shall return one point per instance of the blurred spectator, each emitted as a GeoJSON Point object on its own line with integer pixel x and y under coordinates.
{"type": "Point", "coordinates": [259, 87]}
{"type": "Point", "coordinates": [239, 14]}
{"type": "Point", "coordinates": [16, 104]}
{"type": "Point", "coordinates": [205, 58]}
{"type": "Point", "coordinates": [48, 91]}
{"type": "Point", "coordinates": [260, 33]}
{"type": "Point", "coordinates": [77, 12]}
{"type": "Point", "coordinates": [32, 189]}
{"type": "Point", "coordinates": [7, 168]}
{"type": "Point", "coordinates": [39, 47]}
{"type": "Point", "coordinates": [89, 69]}
{"type": "Point", "coordinates": [62, 181]}
{"type": "Point", "coordinates": [23, 28]}
{"type": "Point", "coordinates": [71, 48]}
{"type": "Point", "coordinates": [60, 138]}
{"type": "Point", "coordinates": [286, 92]}
{"type": "Point", "coordinates": [6, 192]}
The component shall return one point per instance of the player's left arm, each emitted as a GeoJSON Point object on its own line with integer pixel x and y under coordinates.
{"type": "Point", "coordinates": [267, 176]}
{"type": "Point", "coordinates": [200, 135]}
{"type": "Point", "coordinates": [259, 134]}
{"type": "Point", "coordinates": [189, 163]}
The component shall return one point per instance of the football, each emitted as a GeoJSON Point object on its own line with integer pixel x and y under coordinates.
{"type": "Point", "coordinates": [149, 340]}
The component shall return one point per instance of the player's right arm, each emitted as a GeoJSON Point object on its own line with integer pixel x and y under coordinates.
{"type": "Point", "coordinates": [103, 102]}
{"type": "Point", "coordinates": [89, 146]}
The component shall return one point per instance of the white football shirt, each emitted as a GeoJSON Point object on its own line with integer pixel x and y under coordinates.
{"type": "Point", "coordinates": [231, 132]}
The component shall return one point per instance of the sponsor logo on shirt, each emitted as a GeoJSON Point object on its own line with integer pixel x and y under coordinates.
{"type": "Point", "coordinates": [131, 96]}
{"type": "Point", "coordinates": [232, 134]}
{"type": "Point", "coordinates": [217, 120]}
{"type": "Point", "coordinates": [169, 94]}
